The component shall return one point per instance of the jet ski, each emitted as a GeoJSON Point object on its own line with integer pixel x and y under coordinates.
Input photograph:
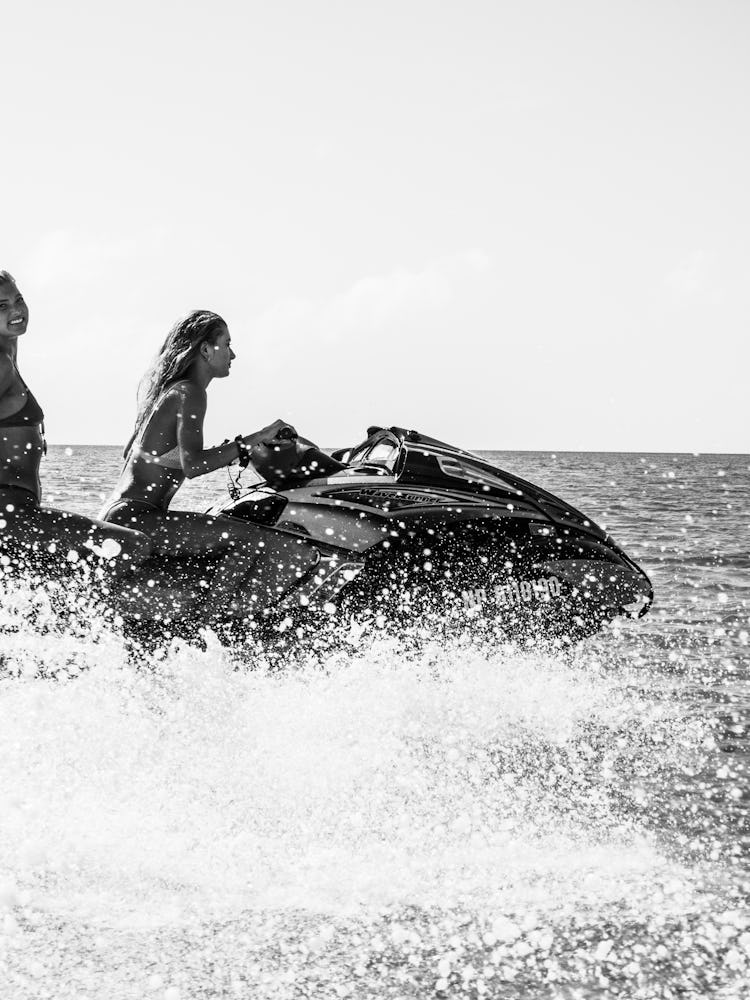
{"type": "Point", "coordinates": [401, 531]}
{"type": "Point", "coordinates": [408, 530]}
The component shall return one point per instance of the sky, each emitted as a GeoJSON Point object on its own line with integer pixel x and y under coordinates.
{"type": "Point", "coordinates": [511, 225]}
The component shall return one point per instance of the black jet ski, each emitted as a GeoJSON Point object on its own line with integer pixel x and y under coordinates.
{"type": "Point", "coordinates": [401, 530]}
{"type": "Point", "coordinates": [406, 529]}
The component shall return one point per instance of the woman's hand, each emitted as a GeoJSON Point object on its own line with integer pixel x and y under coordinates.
{"type": "Point", "coordinates": [274, 433]}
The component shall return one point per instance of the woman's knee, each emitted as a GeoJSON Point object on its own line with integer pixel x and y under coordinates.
{"type": "Point", "coordinates": [115, 541]}
{"type": "Point", "coordinates": [136, 546]}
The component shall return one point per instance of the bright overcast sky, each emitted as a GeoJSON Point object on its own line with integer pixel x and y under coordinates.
{"type": "Point", "coordinates": [508, 224]}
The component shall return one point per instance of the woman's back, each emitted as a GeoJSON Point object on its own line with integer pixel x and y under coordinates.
{"type": "Point", "coordinates": [153, 466]}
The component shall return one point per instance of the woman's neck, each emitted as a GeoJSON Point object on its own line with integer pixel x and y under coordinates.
{"type": "Point", "coordinates": [200, 373]}
{"type": "Point", "coordinates": [9, 347]}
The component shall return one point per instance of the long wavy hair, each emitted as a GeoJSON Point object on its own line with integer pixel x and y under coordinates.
{"type": "Point", "coordinates": [173, 361]}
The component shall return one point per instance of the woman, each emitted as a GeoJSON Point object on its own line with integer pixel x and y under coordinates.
{"type": "Point", "coordinates": [33, 534]}
{"type": "Point", "coordinates": [166, 447]}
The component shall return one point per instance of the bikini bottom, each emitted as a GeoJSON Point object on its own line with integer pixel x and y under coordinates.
{"type": "Point", "coordinates": [125, 511]}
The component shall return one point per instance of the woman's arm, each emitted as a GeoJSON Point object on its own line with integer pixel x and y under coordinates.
{"type": "Point", "coordinates": [197, 460]}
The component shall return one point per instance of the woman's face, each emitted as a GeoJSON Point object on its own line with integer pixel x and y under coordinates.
{"type": "Point", "coordinates": [220, 354]}
{"type": "Point", "coordinates": [14, 313]}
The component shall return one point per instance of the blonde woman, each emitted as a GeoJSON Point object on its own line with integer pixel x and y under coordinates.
{"type": "Point", "coordinates": [167, 447]}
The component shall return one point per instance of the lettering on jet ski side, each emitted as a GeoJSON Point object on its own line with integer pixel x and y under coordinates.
{"type": "Point", "coordinates": [514, 592]}
{"type": "Point", "coordinates": [395, 499]}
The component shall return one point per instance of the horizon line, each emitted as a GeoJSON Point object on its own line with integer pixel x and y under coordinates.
{"type": "Point", "coordinates": [529, 451]}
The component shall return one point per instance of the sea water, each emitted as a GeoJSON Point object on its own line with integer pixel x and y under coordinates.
{"type": "Point", "coordinates": [391, 820]}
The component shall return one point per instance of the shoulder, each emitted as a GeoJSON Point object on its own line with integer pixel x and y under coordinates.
{"type": "Point", "coordinates": [183, 392]}
{"type": "Point", "coordinates": [187, 394]}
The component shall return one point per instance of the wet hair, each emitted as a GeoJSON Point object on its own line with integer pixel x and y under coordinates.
{"type": "Point", "coordinates": [173, 361]}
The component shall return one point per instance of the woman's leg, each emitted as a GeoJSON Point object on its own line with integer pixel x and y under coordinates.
{"type": "Point", "coordinates": [181, 532]}
{"type": "Point", "coordinates": [123, 548]}
{"type": "Point", "coordinates": [267, 560]}
{"type": "Point", "coordinates": [42, 534]}
{"type": "Point", "coordinates": [186, 533]}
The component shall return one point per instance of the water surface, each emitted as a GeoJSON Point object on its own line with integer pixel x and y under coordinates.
{"type": "Point", "coordinates": [375, 821]}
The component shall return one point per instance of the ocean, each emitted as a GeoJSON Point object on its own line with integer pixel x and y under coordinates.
{"type": "Point", "coordinates": [385, 821]}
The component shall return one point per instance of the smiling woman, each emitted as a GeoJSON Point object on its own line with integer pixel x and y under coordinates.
{"type": "Point", "coordinates": [30, 533]}
{"type": "Point", "coordinates": [166, 448]}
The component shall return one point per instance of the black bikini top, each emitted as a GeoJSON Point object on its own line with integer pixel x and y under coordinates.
{"type": "Point", "coordinates": [30, 413]}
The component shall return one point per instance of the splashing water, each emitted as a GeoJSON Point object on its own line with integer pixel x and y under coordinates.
{"type": "Point", "coordinates": [373, 821]}
{"type": "Point", "coordinates": [446, 820]}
